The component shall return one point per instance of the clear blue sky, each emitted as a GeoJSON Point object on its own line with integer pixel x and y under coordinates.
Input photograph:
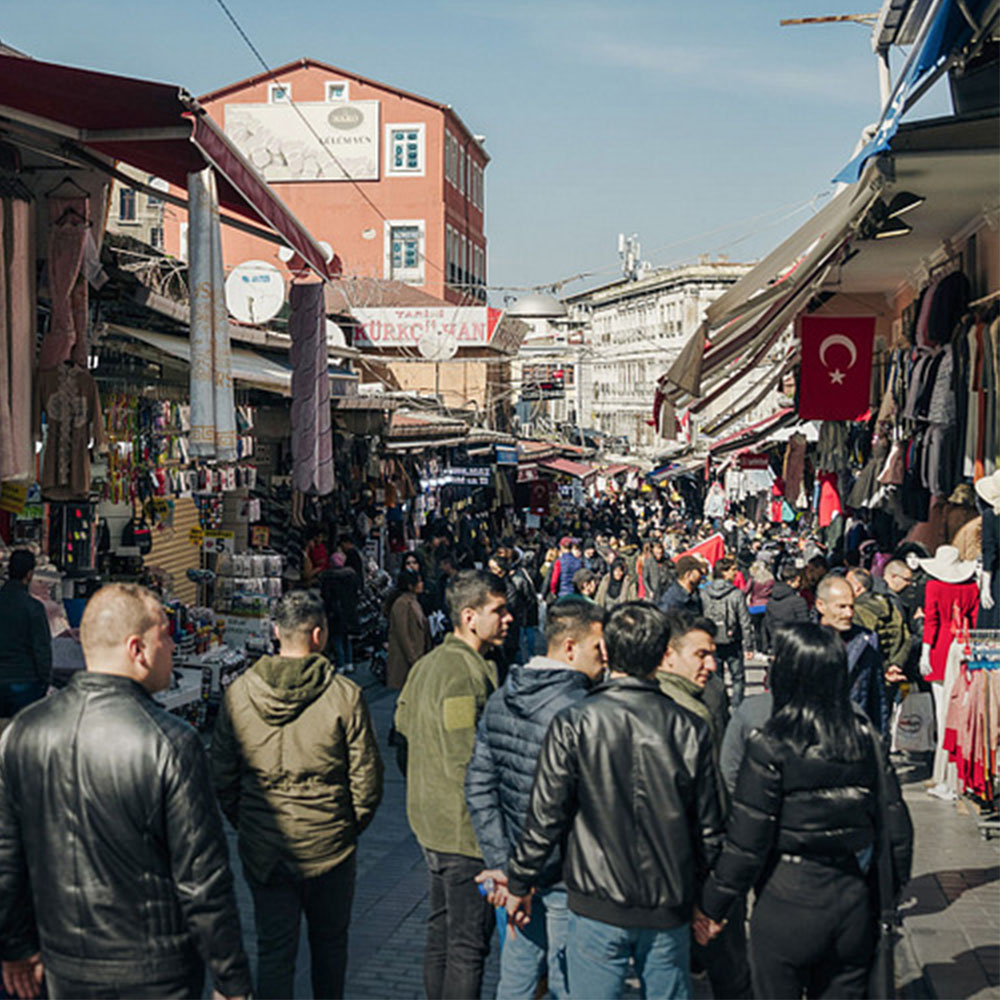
{"type": "Point", "coordinates": [676, 120]}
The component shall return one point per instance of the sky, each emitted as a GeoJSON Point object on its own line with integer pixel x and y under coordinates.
{"type": "Point", "coordinates": [701, 127]}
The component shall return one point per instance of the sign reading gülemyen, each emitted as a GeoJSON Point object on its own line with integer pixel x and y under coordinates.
{"type": "Point", "coordinates": [467, 326]}
{"type": "Point", "coordinates": [308, 141]}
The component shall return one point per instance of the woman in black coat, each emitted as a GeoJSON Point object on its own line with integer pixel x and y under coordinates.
{"type": "Point", "coordinates": [804, 830]}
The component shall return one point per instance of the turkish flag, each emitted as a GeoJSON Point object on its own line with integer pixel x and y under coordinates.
{"type": "Point", "coordinates": [836, 374]}
{"type": "Point", "coordinates": [712, 549]}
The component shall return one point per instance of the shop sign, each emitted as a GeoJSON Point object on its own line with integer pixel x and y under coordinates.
{"type": "Point", "coordinates": [527, 473]}
{"type": "Point", "coordinates": [218, 541]}
{"type": "Point", "coordinates": [260, 536]}
{"type": "Point", "coordinates": [506, 455]}
{"type": "Point", "coordinates": [13, 497]}
{"type": "Point", "coordinates": [466, 326]}
{"type": "Point", "coordinates": [472, 475]}
{"type": "Point", "coordinates": [310, 141]}
{"type": "Point", "coordinates": [196, 536]}
{"type": "Point", "coordinates": [754, 460]}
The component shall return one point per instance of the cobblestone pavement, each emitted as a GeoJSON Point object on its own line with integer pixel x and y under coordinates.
{"type": "Point", "coordinates": [951, 929]}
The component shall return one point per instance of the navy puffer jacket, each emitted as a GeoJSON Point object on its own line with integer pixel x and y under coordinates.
{"type": "Point", "coordinates": [508, 741]}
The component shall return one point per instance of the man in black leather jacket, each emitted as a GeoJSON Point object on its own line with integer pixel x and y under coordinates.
{"type": "Point", "coordinates": [114, 871]}
{"type": "Point", "coordinates": [626, 780]}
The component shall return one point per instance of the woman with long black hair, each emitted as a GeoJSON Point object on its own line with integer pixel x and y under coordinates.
{"type": "Point", "coordinates": [804, 829]}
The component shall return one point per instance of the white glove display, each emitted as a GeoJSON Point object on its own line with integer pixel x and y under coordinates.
{"type": "Point", "coordinates": [986, 590]}
{"type": "Point", "coordinates": [925, 660]}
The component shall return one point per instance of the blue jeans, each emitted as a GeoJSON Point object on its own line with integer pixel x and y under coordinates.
{"type": "Point", "coordinates": [526, 647]}
{"type": "Point", "coordinates": [540, 945]}
{"type": "Point", "coordinates": [598, 957]}
{"type": "Point", "coordinates": [343, 650]}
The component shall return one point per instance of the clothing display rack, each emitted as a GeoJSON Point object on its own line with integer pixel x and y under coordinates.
{"type": "Point", "coordinates": [982, 653]}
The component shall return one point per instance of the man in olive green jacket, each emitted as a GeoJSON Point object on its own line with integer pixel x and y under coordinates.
{"type": "Point", "coordinates": [437, 712]}
{"type": "Point", "coordinates": [297, 771]}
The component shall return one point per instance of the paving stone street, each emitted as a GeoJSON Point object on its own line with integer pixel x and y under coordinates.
{"type": "Point", "coordinates": [951, 929]}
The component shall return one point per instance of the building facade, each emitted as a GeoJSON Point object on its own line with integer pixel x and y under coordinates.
{"type": "Point", "coordinates": [633, 330]}
{"type": "Point", "coordinates": [393, 182]}
{"type": "Point", "coordinates": [138, 214]}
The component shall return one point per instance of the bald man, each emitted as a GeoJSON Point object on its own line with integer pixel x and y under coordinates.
{"type": "Point", "coordinates": [835, 607]}
{"type": "Point", "coordinates": [114, 871]}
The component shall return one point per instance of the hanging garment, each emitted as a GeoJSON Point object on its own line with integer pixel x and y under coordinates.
{"type": "Point", "coordinates": [829, 505]}
{"type": "Point", "coordinates": [68, 227]}
{"type": "Point", "coordinates": [19, 271]}
{"type": "Point", "coordinates": [990, 617]}
{"type": "Point", "coordinates": [213, 410]}
{"type": "Point", "coordinates": [68, 397]}
{"type": "Point", "coordinates": [948, 608]}
{"type": "Point", "coordinates": [312, 437]}
{"type": "Point", "coordinates": [6, 424]}
{"type": "Point", "coordinates": [794, 469]}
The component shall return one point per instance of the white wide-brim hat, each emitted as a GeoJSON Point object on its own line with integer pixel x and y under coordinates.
{"type": "Point", "coordinates": [946, 566]}
{"type": "Point", "coordinates": [988, 488]}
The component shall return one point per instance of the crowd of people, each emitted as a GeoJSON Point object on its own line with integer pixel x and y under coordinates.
{"type": "Point", "coordinates": [579, 751]}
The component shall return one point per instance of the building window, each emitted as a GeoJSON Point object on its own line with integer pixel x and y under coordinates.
{"type": "Point", "coordinates": [451, 159]}
{"type": "Point", "coordinates": [405, 150]}
{"type": "Point", "coordinates": [126, 205]}
{"type": "Point", "coordinates": [336, 90]}
{"type": "Point", "coordinates": [182, 249]}
{"type": "Point", "coordinates": [405, 251]}
{"type": "Point", "coordinates": [156, 237]}
{"type": "Point", "coordinates": [279, 93]}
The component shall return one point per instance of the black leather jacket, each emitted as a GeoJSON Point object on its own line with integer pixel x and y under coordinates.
{"type": "Point", "coordinates": [626, 778]}
{"type": "Point", "coordinates": [112, 855]}
{"type": "Point", "coordinates": [804, 806]}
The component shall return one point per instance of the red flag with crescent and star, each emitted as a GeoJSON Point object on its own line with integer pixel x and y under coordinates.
{"type": "Point", "coordinates": [836, 373]}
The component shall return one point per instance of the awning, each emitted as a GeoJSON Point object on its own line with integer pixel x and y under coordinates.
{"type": "Point", "coordinates": [156, 127]}
{"type": "Point", "coordinates": [567, 468]}
{"type": "Point", "coordinates": [248, 367]}
{"type": "Point", "coordinates": [755, 432]}
{"type": "Point", "coordinates": [744, 322]}
{"type": "Point", "coordinates": [947, 26]}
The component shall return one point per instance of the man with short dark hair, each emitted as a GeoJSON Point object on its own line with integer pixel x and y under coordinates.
{"type": "Point", "coordinates": [626, 782]}
{"type": "Point", "coordinates": [686, 669]}
{"type": "Point", "coordinates": [878, 614]}
{"type": "Point", "coordinates": [297, 770]}
{"type": "Point", "coordinates": [438, 708]}
{"type": "Point", "coordinates": [682, 594]}
{"type": "Point", "coordinates": [657, 572]}
{"type": "Point", "coordinates": [114, 869]}
{"type": "Point", "coordinates": [25, 641]}
{"type": "Point", "coordinates": [585, 583]}
{"type": "Point", "coordinates": [725, 605]}
{"type": "Point", "coordinates": [566, 565]}
{"type": "Point", "coordinates": [499, 778]}
{"type": "Point", "coordinates": [785, 604]}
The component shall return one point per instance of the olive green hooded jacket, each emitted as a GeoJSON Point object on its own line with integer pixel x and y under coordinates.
{"type": "Point", "coordinates": [295, 765]}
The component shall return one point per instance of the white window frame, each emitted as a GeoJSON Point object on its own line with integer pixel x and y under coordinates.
{"type": "Point", "coordinates": [418, 273]}
{"type": "Point", "coordinates": [346, 96]}
{"type": "Point", "coordinates": [182, 243]}
{"type": "Point", "coordinates": [421, 129]}
{"type": "Point", "coordinates": [273, 87]}
{"type": "Point", "coordinates": [450, 149]}
{"type": "Point", "coordinates": [461, 168]}
{"type": "Point", "coordinates": [134, 217]}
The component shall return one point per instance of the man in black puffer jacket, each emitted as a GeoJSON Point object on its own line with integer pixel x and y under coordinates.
{"type": "Point", "coordinates": [499, 778]}
{"type": "Point", "coordinates": [626, 780]}
{"type": "Point", "coordinates": [785, 604]}
{"type": "Point", "coordinates": [114, 871]}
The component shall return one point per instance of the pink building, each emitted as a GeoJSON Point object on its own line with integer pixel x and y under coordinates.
{"type": "Point", "coordinates": [393, 182]}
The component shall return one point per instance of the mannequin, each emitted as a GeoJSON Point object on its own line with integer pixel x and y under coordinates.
{"type": "Point", "coordinates": [988, 488]}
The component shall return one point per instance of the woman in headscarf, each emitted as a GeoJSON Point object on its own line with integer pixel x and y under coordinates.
{"type": "Point", "coordinates": [615, 587]}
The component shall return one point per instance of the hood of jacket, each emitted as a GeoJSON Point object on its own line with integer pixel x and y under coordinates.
{"type": "Point", "coordinates": [782, 592]}
{"type": "Point", "coordinates": [531, 687]}
{"type": "Point", "coordinates": [718, 589]}
{"type": "Point", "coordinates": [280, 688]}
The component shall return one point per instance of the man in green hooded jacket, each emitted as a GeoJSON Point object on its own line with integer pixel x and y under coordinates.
{"type": "Point", "coordinates": [297, 771]}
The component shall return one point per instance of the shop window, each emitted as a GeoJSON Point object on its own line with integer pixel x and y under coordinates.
{"type": "Point", "coordinates": [405, 150]}
{"type": "Point", "coordinates": [126, 205]}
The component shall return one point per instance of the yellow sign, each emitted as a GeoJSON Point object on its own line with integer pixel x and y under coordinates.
{"type": "Point", "coordinates": [219, 541]}
{"type": "Point", "coordinates": [13, 497]}
{"type": "Point", "coordinates": [196, 536]}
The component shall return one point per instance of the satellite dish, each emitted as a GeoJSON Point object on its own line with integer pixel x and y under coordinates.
{"type": "Point", "coordinates": [285, 254]}
{"type": "Point", "coordinates": [327, 251]}
{"type": "Point", "coordinates": [436, 346]}
{"type": "Point", "coordinates": [334, 335]}
{"type": "Point", "coordinates": [255, 291]}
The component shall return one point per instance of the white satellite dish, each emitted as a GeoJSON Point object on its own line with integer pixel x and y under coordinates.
{"type": "Point", "coordinates": [334, 335]}
{"type": "Point", "coordinates": [437, 346]}
{"type": "Point", "coordinates": [327, 251]}
{"type": "Point", "coordinates": [285, 254]}
{"type": "Point", "coordinates": [255, 291]}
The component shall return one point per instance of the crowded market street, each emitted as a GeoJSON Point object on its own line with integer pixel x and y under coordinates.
{"type": "Point", "coordinates": [500, 500]}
